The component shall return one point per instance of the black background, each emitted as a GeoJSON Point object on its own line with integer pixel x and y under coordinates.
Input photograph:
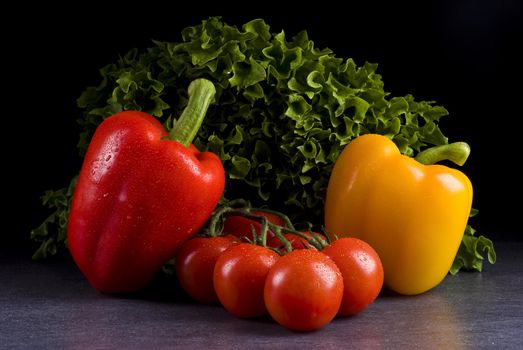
{"type": "Point", "coordinates": [463, 54]}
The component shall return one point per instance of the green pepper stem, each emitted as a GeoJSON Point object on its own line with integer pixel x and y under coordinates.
{"type": "Point", "coordinates": [201, 94]}
{"type": "Point", "coordinates": [456, 152]}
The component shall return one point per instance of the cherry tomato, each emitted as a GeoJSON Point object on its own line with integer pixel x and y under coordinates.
{"type": "Point", "coordinates": [296, 241]}
{"type": "Point", "coordinates": [195, 261]}
{"type": "Point", "coordinates": [241, 226]}
{"type": "Point", "coordinates": [303, 290]}
{"type": "Point", "coordinates": [362, 273]}
{"type": "Point", "coordinates": [239, 277]}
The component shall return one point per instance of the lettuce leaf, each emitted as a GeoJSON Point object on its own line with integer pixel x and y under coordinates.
{"type": "Point", "coordinates": [471, 250]}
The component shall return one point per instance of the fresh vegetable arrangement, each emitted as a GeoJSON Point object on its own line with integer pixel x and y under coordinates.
{"type": "Point", "coordinates": [301, 286]}
{"type": "Point", "coordinates": [287, 128]}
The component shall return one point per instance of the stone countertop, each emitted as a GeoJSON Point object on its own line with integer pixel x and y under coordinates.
{"type": "Point", "coordinates": [50, 305]}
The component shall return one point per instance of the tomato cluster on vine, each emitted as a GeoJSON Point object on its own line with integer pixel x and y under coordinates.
{"type": "Point", "coordinates": [254, 262]}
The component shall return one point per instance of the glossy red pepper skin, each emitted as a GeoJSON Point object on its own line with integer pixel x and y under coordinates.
{"type": "Point", "coordinates": [138, 197]}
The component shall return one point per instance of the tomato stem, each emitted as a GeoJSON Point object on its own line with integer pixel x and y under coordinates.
{"type": "Point", "coordinates": [284, 217]}
{"type": "Point", "coordinates": [242, 208]}
{"type": "Point", "coordinates": [263, 233]}
{"type": "Point", "coordinates": [316, 241]}
{"type": "Point", "coordinates": [277, 230]}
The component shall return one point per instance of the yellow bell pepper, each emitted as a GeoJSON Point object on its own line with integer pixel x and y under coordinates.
{"type": "Point", "coordinates": [413, 214]}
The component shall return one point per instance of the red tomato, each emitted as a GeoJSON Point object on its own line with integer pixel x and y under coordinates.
{"type": "Point", "coordinates": [241, 226]}
{"type": "Point", "coordinates": [296, 241]}
{"type": "Point", "coordinates": [303, 290]}
{"type": "Point", "coordinates": [239, 277]}
{"type": "Point", "coordinates": [195, 261]}
{"type": "Point", "coordinates": [362, 273]}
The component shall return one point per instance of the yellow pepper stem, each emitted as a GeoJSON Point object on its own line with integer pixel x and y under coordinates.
{"type": "Point", "coordinates": [456, 152]}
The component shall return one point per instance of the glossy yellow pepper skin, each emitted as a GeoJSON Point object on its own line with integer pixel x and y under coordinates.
{"type": "Point", "coordinates": [414, 215]}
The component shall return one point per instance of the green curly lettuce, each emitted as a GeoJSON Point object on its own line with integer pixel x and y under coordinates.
{"type": "Point", "coordinates": [283, 110]}
{"type": "Point", "coordinates": [471, 250]}
{"type": "Point", "coordinates": [52, 233]}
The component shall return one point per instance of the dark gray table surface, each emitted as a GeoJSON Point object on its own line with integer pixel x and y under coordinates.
{"type": "Point", "coordinates": [49, 305]}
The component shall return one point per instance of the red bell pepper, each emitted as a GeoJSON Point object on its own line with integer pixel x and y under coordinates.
{"type": "Point", "coordinates": [142, 192]}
